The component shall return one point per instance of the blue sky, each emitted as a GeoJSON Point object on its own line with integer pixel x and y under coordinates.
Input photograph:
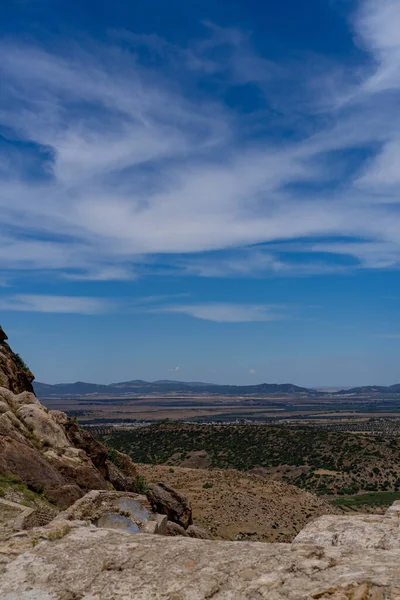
{"type": "Point", "coordinates": [201, 190]}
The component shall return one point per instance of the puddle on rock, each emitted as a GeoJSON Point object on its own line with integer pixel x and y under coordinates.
{"type": "Point", "coordinates": [134, 508]}
{"type": "Point", "coordinates": [114, 521]}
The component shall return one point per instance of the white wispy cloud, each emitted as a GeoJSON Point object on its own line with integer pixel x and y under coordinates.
{"type": "Point", "coordinates": [223, 312]}
{"type": "Point", "coordinates": [132, 164]}
{"type": "Point", "coordinates": [55, 304]}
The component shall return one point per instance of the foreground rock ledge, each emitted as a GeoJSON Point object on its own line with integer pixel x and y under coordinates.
{"type": "Point", "coordinates": [99, 564]}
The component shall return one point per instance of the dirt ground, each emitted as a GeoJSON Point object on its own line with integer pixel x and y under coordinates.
{"type": "Point", "coordinates": [233, 505]}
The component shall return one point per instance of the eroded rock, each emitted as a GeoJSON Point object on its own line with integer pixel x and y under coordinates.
{"type": "Point", "coordinates": [48, 451]}
{"type": "Point", "coordinates": [353, 531]}
{"type": "Point", "coordinates": [70, 560]}
{"type": "Point", "coordinates": [172, 503]}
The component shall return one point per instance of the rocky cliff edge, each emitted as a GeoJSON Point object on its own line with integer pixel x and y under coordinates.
{"type": "Point", "coordinates": [48, 451]}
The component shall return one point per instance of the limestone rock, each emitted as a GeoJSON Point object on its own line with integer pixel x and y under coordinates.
{"type": "Point", "coordinates": [124, 511]}
{"type": "Point", "coordinates": [195, 531]}
{"type": "Point", "coordinates": [67, 560]}
{"type": "Point", "coordinates": [14, 374]}
{"type": "Point", "coordinates": [175, 529]}
{"type": "Point", "coordinates": [355, 531]}
{"type": "Point", "coordinates": [170, 502]}
{"type": "Point", "coordinates": [26, 461]}
{"type": "Point", "coordinates": [64, 495]}
{"type": "Point", "coordinates": [46, 429]}
{"type": "Point", "coordinates": [46, 449]}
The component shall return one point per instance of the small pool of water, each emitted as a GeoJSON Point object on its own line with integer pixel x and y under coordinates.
{"type": "Point", "coordinates": [134, 508]}
{"type": "Point", "coordinates": [114, 521]}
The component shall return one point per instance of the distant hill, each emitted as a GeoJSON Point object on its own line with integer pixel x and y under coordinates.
{"type": "Point", "coordinates": [138, 386]}
{"type": "Point", "coordinates": [324, 462]}
{"type": "Point", "coordinates": [371, 389]}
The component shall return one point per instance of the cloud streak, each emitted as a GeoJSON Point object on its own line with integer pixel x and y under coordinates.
{"type": "Point", "coordinates": [118, 165]}
{"type": "Point", "coordinates": [55, 304]}
{"type": "Point", "coordinates": [222, 312]}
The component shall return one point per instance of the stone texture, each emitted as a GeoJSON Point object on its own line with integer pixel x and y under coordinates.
{"type": "Point", "coordinates": [45, 427]}
{"type": "Point", "coordinates": [166, 501]}
{"type": "Point", "coordinates": [46, 449]}
{"type": "Point", "coordinates": [64, 495]}
{"type": "Point", "coordinates": [25, 460]}
{"type": "Point", "coordinates": [116, 510]}
{"type": "Point", "coordinates": [14, 374]}
{"type": "Point", "coordinates": [175, 529]}
{"type": "Point", "coordinates": [355, 531]}
{"type": "Point", "coordinates": [194, 531]}
{"type": "Point", "coordinates": [67, 560]}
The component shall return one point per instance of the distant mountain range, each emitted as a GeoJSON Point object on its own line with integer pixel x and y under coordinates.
{"type": "Point", "coordinates": [166, 386]}
{"type": "Point", "coordinates": [372, 389]}
{"type": "Point", "coordinates": [125, 388]}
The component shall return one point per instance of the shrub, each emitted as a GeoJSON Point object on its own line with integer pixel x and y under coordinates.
{"type": "Point", "coordinates": [141, 484]}
{"type": "Point", "coordinates": [208, 486]}
{"type": "Point", "coordinates": [113, 456]}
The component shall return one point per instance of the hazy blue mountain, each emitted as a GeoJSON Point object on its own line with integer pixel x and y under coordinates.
{"type": "Point", "coordinates": [137, 386]}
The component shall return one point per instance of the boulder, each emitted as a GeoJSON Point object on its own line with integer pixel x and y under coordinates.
{"type": "Point", "coordinates": [124, 511]}
{"type": "Point", "coordinates": [354, 531]}
{"type": "Point", "coordinates": [64, 495]}
{"type": "Point", "coordinates": [172, 503]}
{"type": "Point", "coordinates": [117, 478]}
{"type": "Point", "coordinates": [26, 461]}
{"type": "Point", "coordinates": [76, 468]}
{"type": "Point", "coordinates": [174, 529]}
{"type": "Point", "coordinates": [45, 427]}
{"type": "Point", "coordinates": [198, 532]}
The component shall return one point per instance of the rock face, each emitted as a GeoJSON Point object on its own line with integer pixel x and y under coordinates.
{"type": "Point", "coordinates": [48, 451]}
{"type": "Point", "coordinates": [69, 559]}
{"type": "Point", "coordinates": [169, 502]}
{"type": "Point", "coordinates": [14, 374]}
{"type": "Point", "coordinates": [355, 531]}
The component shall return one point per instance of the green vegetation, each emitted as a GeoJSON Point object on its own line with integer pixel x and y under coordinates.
{"type": "Point", "coordinates": [20, 362]}
{"type": "Point", "coordinates": [372, 499]}
{"type": "Point", "coordinates": [113, 457]}
{"type": "Point", "coordinates": [208, 486]}
{"type": "Point", "coordinates": [59, 533]}
{"type": "Point", "coordinates": [141, 484]}
{"type": "Point", "coordinates": [13, 483]}
{"type": "Point", "coordinates": [328, 463]}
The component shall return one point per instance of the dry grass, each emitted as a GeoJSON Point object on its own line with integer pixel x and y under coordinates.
{"type": "Point", "coordinates": [236, 505]}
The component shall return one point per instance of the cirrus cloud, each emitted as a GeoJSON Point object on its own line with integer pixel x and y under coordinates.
{"type": "Point", "coordinates": [115, 164]}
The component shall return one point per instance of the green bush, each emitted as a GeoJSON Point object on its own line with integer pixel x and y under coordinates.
{"type": "Point", "coordinates": [208, 486]}
{"type": "Point", "coordinates": [141, 484]}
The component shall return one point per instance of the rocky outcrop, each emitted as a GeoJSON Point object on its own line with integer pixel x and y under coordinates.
{"type": "Point", "coordinates": [124, 511]}
{"type": "Point", "coordinates": [70, 559]}
{"type": "Point", "coordinates": [355, 531]}
{"type": "Point", "coordinates": [48, 451]}
{"type": "Point", "coordinates": [169, 502]}
{"type": "Point", "coordinates": [14, 374]}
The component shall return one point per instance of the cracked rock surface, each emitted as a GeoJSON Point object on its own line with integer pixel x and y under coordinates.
{"type": "Point", "coordinates": [81, 562]}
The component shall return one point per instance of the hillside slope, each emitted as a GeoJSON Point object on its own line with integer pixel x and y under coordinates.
{"type": "Point", "coordinates": [240, 506]}
{"type": "Point", "coordinates": [324, 462]}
